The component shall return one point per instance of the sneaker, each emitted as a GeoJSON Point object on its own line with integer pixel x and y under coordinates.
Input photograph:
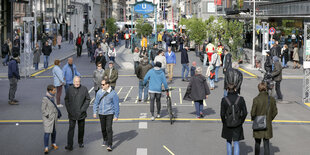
{"type": "Point", "coordinates": [158, 116]}
{"type": "Point", "coordinates": [152, 118]}
{"type": "Point", "coordinates": [55, 147]}
{"type": "Point", "coordinates": [69, 148]}
{"type": "Point", "coordinates": [201, 115]}
{"type": "Point", "coordinates": [15, 100]}
{"type": "Point", "coordinates": [81, 145]}
{"type": "Point", "coordinates": [109, 148]}
{"type": "Point", "coordinates": [104, 143]}
{"type": "Point", "coordinates": [13, 103]}
{"type": "Point", "coordinates": [183, 80]}
{"type": "Point", "coordinates": [60, 105]}
{"type": "Point", "coordinates": [46, 150]}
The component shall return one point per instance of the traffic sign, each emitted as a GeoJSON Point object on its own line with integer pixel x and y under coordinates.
{"type": "Point", "coordinates": [272, 31]}
{"type": "Point", "coordinates": [144, 7]}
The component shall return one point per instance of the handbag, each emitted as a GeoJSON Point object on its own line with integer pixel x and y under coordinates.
{"type": "Point", "coordinates": [187, 96]}
{"type": "Point", "coordinates": [260, 122]}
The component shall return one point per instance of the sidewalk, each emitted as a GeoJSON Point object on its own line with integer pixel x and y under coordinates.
{"type": "Point", "coordinates": [287, 73]}
{"type": "Point", "coordinates": [66, 51]}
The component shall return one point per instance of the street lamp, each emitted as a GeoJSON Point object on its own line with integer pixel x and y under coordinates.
{"type": "Point", "coordinates": [253, 42]}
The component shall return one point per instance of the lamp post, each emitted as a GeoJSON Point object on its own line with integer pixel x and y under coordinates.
{"type": "Point", "coordinates": [253, 42]}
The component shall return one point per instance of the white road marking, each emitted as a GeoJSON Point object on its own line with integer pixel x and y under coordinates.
{"type": "Point", "coordinates": [91, 89]}
{"type": "Point", "coordinates": [136, 100]}
{"type": "Point", "coordinates": [180, 95]}
{"type": "Point", "coordinates": [127, 94]}
{"type": "Point", "coordinates": [143, 125]}
{"type": "Point", "coordinates": [141, 151]}
{"type": "Point", "coordinates": [204, 103]}
{"type": "Point", "coordinates": [119, 90]}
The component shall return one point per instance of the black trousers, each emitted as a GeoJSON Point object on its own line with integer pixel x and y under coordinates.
{"type": "Point", "coordinates": [81, 126]}
{"type": "Point", "coordinates": [279, 94]}
{"type": "Point", "coordinates": [78, 50]}
{"type": "Point", "coordinates": [154, 96]}
{"type": "Point", "coordinates": [266, 146]}
{"type": "Point", "coordinates": [106, 128]}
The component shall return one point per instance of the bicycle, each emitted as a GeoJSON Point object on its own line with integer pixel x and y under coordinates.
{"type": "Point", "coordinates": [169, 105]}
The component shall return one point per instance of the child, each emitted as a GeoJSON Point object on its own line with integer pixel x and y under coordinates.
{"type": "Point", "coordinates": [211, 76]}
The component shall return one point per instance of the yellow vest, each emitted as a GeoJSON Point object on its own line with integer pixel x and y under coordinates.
{"type": "Point", "coordinates": [160, 37]}
{"type": "Point", "coordinates": [144, 42]}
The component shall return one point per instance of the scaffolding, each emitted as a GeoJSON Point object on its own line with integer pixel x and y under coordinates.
{"type": "Point", "coordinates": [306, 64]}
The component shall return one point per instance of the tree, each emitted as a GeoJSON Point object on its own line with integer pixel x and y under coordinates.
{"type": "Point", "coordinates": [143, 28]}
{"type": "Point", "coordinates": [232, 36]}
{"type": "Point", "coordinates": [111, 26]}
{"type": "Point", "coordinates": [196, 29]}
{"type": "Point", "coordinates": [160, 27]}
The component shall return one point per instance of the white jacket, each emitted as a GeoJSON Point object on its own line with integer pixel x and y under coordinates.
{"type": "Point", "coordinates": [112, 53]}
{"type": "Point", "coordinates": [162, 60]}
{"type": "Point", "coordinates": [218, 60]}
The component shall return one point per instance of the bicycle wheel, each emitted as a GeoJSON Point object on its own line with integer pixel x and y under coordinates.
{"type": "Point", "coordinates": [169, 107]}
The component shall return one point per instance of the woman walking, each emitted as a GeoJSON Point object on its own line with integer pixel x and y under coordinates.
{"type": "Point", "coordinates": [284, 55]}
{"type": "Point", "coordinates": [211, 76]}
{"type": "Point", "coordinates": [263, 104]}
{"type": "Point", "coordinates": [296, 57]}
{"type": "Point", "coordinates": [59, 38]}
{"type": "Point", "coordinates": [112, 53]}
{"type": "Point", "coordinates": [233, 114]}
{"type": "Point", "coordinates": [98, 77]}
{"type": "Point", "coordinates": [50, 115]}
{"type": "Point", "coordinates": [58, 81]}
{"type": "Point", "coordinates": [36, 57]}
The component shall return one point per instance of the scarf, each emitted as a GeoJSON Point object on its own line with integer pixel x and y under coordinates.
{"type": "Point", "coordinates": [51, 97]}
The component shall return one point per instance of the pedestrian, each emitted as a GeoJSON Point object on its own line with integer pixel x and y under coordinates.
{"type": "Point", "coordinates": [112, 53]}
{"type": "Point", "coordinates": [181, 42]}
{"type": "Point", "coordinates": [58, 81]}
{"type": "Point", "coordinates": [100, 58]}
{"type": "Point", "coordinates": [50, 115]}
{"type": "Point", "coordinates": [162, 59]}
{"type": "Point", "coordinates": [105, 48]}
{"type": "Point", "coordinates": [210, 74]}
{"type": "Point", "coordinates": [296, 57]}
{"type": "Point", "coordinates": [10, 48]}
{"type": "Point", "coordinates": [153, 54]}
{"type": "Point", "coordinates": [184, 62]}
{"type": "Point", "coordinates": [193, 68]}
{"type": "Point", "coordinates": [106, 105]}
{"type": "Point", "coordinates": [216, 63]}
{"type": "Point", "coordinates": [168, 41]}
{"type": "Point", "coordinates": [46, 50]}
{"type": "Point", "coordinates": [59, 39]}
{"type": "Point", "coordinates": [160, 39]}
{"type": "Point", "coordinates": [70, 71]}
{"type": "Point", "coordinates": [89, 46]}
{"type": "Point", "coordinates": [260, 102]}
{"type": "Point", "coordinates": [36, 57]}
{"type": "Point", "coordinates": [219, 50]}
{"type": "Point", "coordinates": [284, 56]}
{"type": "Point", "coordinates": [171, 61]}
{"type": "Point", "coordinates": [92, 51]}
{"type": "Point", "coordinates": [13, 75]}
{"type": "Point", "coordinates": [111, 74]}
{"type": "Point", "coordinates": [127, 39]}
{"type": "Point", "coordinates": [144, 44]}
{"type": "Point", "coordinates": [71, 38]}
{"type": "Point", "coordinates": [98, 76]}
{"type": "Point", "coordinates": [79, 44]}
{"type": "Point", "coordinates": [16, 49]}
{"type": "Point", "coordinates": [198, 90]}
{"type": "Point", "coordinates": [136, 59]}
{"type": "Point", "coordinates": [77, 101]}
{"type": "Point", "coordinates": [54, 41]}
{"type": "Point", "coordinates": [210, 50]}
{"type": "Point", "coordinates": [227, 64]}
{"type": "Point", "coordinates": [5, 49]}
{"type": "Point", "coordinates": [234, 77]}
{"type": "Point", "coordinates": [155, 78]}
{"type": "Point", "coordinates": [142, 69]}
{"type": "Point", "coordinates": [233, 114]}
{"type": "Point", "coordinates": [277, 76]}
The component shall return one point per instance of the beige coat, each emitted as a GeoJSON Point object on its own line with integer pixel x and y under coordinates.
{"type": "Point", "coordinates": [295, 54]}
{"type": "Point", "coordinates": [49, 115]}
{"type": "Point", "coordinates": [59, 38]}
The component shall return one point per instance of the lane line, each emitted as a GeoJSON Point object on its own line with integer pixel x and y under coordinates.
{"type": "Point", "coordinates": [119, 90]}
{"type": "Point", "coordinates": [141, 151]}
{"type": "Point", "coordinates": [127, 94]}
{"type": "Point", "coordinates": [92, 101]}
{"type": "Point", "coordinates": [91, 89]}
{"type": "Point", "coordinates": [253, 75]}
{"type": "Point", "coordinates": [41, 71]}
{"type": "Point", "coordinates": [136, 100]}
{"type": "Point", "coordinates": [180, 95]}
{"type": "Point", "coordinates": [143, 125]}
{"type": "Point", "coordinates": [307, 104]}
{"type": "Point", "coordinates": [168, 150]}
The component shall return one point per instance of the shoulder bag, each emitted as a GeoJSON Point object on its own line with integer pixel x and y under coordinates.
{"type": "Point", "coordinates": [260, 122]}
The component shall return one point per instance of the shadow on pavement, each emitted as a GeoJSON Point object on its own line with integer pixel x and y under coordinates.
{"type": "Point", "coordinates": [123, 136]}
{"type": "Point", "coordinates": [244, 148]}
{"type": "Point", "coordinates": [208, 111]}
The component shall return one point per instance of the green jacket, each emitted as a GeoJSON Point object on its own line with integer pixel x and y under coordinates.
{"type": "Point", "coordinates": [277, 72]}
{"type": "Point", "coordinates": [113, 77]}
{"type": "Point", "coordinates": [259, 107]}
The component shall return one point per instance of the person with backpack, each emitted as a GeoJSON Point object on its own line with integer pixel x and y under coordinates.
{"type": "Point", "coordinates": [233, 114]}
{"type": "Point", "coordinates": [263, 105]}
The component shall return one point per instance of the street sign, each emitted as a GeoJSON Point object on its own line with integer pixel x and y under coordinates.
{"type": "Point", "coordinates": [272, 31]}
{"type": "Point", "coordinates": [144, 8]}
{"type": "Point", "coordinates": [28, 19]}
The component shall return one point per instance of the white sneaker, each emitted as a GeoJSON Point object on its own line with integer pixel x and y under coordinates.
{"type": "Point", "coordinates": [60, 105]}
{"type": "Point", "coordinates": [152, 118]}
{"type": "Point", "coordinates": [158, 116]}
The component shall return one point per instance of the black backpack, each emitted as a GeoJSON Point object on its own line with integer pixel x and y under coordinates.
{"type": "Point", "coordinates": [233, 114]}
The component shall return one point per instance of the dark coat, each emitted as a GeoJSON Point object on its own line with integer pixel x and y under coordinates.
{"type": "Point", "coordinates": [227, 64]}
{"type": "Point", "coordinates": [277, 72]}
{"type": "Point", "coordinates": [268, 64]}
{"type": "Point", "coordinates": [197, 88]}
{"type": "Point", "coordinates": [102, 60]}
{"type": "Point", "coordinates": [259, 106]}
{"type": "Point", "coordinates": [235, 133]}
{"type": "Point", "coordinates": [47, 50]}
{"type": "Point", "coordinates": [16, 49]}
{"type": "Point", "coordinates": [285, 55]}
{"type": "Point", "coordinates": [184, 57]}
{"type": "Point", "coordinates": [153, 53]}
{"type": "Point", "coordinates": [114, 76]}
{"type": "Point", "coordinates": [36, 56]}
{"type": "Point", "coordinates": [77, 101]}
{"type": "Point", "coordinates": [13, 70]}
{"type": "Point", "coordinates": [233, 76]}
{"type": "Point", "coordinates": [143, 68]}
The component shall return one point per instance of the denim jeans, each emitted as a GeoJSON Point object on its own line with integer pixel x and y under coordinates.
{"type": "Point", "coordinates": [229, 147]}
{"type": "Point", "coordinates": [185, 67]}
{"type": "Point", "coordinates": [146, 89]}
{"type": "Point", "coordinates": [47, 136]}
{"type": "Point", "coordinates": [6, 59]}
{"type": "Point", "coordinates": [198, 107]}
{"type": "Point", "coordinates": [205, 57]}
{"type": "Point", "coordinates": [36, 66]}
{"type": "Point", "coordinates": [284, 64]}
{"type": "Point", "coordinates": [211, 81]}
{"type": "Point", "coordinates": [112, 59]}
{"type": "Point", "coordinates": [45, 61]}
{"type": "Point", "coordinates": [217, 73]}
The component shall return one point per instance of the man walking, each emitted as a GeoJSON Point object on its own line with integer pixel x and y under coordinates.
{"type": "Point", "coordinates": [127, 39]}
{"type": "Point", "coordinates": [79, 44]}
{"type": "Point", "coordinates": [184, 62]}
{"type": "Point", "coordinates": [107, 106]}
{"type": "Point", "coordinates": [153, 53]}
{"type": "Point", "coordinates": [156, 79]}
{"type": "Point", "coordinates": [162, 59]}
{"type": "Point", "coordinates": [216, 62]}
{"type": "Point", "coordinates": [277, 76]}
{"type": "Point", "coordinates": [46, 50]}
{"type": "Point", "coordinates": [171, 61]}
{"type": "Point", "coordinates": [77, 101]}
{"type": "Point", "coordinates": [227, 64]}
{"type": "Point", "coordinates": [13, 75]}
{"type": "Point", "coordinates": [143, 68]}
{"type": "Point", "coordinates": [111, 74]}
{"type": "Point", "coordinates": [70, 71]}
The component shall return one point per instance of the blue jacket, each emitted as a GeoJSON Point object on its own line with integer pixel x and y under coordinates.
{"type": "Point", "coordinates": [13, 70]}
{"type": "Point", "coordinates": [58, 76]}
{"type": "Point", "coordinates": [156, 78]}
{"type": "Point", "coordinates": [170, 59]}
{"type": "Point", "coordinates": [108, 105]}
{"type": "Point", "coordinates": [68, 73]}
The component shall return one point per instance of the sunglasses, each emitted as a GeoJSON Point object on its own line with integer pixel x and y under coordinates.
{"type": "Point", "coordinates": [103, 84]}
